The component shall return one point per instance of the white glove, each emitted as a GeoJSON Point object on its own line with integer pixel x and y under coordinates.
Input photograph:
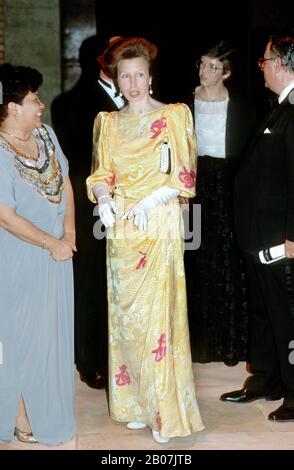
{"type": "Point", "coordinates": [106, 205]}
{"type": "Point", "coordinates": [140, 211]}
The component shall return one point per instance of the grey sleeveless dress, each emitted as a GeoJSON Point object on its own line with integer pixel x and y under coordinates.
{"type": "Point", "coordinates": [36, 301]}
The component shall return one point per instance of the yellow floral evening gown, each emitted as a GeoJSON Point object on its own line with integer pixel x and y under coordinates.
{"type": "Point", "coordinates": [150, 370]}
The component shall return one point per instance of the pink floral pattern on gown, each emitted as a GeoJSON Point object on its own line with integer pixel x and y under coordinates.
{"type": "Point", "coordinates": [148, 328]}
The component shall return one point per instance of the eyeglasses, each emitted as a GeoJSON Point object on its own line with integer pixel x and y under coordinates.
{"type": "Point", "coordinates": [211, 67]}
{"type": "Point", "coordinates": [262, 60]}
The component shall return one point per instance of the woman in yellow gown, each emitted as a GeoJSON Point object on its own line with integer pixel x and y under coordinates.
{"type": "Point", "coordinates": [144, 157]}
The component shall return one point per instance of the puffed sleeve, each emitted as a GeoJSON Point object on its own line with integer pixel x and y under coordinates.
{"type": "Point", "coordinates": [7, 176]}
{"type": "Point", "coordinates": [102, 171]}
{"type": "Point", "coordinates": [59, 153]}
{"type": "Point", "coordinates": [183, 149]}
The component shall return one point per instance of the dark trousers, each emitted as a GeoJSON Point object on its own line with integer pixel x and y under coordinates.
{"type": "Point", "coordinates": [272, 327]}
{"type": "Point", "coordinates": [91, 329]}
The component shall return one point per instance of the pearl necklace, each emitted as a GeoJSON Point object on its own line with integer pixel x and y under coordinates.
{"type": "Point", "coordinates": [15, 136]}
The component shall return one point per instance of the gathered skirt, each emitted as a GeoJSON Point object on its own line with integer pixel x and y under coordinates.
{"type": "Point", "coordinates": [150, 369]}
{"type": "Point", "coordinates": [216, 278]}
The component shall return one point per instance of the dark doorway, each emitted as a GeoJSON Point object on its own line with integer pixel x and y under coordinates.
{"type": "Point", "coordinates": [180, 35]}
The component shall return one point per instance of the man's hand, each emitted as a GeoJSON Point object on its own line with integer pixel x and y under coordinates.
{"type": "Point", "coordinates": [289, 249]}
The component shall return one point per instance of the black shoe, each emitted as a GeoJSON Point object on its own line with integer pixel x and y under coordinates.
{"type": "Point", "coordinates": [94, 381]}
{"type": "Point", "coordinates": [230, 359]}
{"type": "Point", "coordinates": [245, 396]}
{"type": "Point", "coordinates": [283, 413]}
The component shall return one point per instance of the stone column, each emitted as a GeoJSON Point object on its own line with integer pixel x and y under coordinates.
{"type": "Point", "coordinates": [1, 32]}
{"type": "Point", "coordinates": [32, 37]}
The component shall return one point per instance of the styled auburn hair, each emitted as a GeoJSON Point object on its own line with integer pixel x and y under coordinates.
{"type": "Point", "coordinates": [127, 48]}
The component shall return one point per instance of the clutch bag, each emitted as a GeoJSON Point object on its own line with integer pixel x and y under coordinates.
{"type": "Point", "coordinates": [164, 163]}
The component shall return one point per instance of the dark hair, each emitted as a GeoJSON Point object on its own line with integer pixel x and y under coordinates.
{"type": "Point", "coordinates": [17, 82]}
{"type": "Point", "coordinates": [282, 45]}
{"type": "Point", "coordinates": [127, 48]}
{"type": "Point", "coordinates": [223, 51]}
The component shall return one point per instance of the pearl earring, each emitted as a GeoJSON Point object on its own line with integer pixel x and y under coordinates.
{"type": "Point", "coordinates": [150, 89]}
{"type": "Point", "coordinates": [120, 94]}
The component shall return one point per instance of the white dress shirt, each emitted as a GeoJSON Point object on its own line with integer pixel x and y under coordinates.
{"type": "Point", "coordinates": [286, 91]}
{"type": "Point", "coordinates": [111, 91]}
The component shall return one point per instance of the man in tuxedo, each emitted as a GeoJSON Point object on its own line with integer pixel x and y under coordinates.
{"type": "Point", "coordinates": [73, 114]}
{"type": "Point", "coordinates": [264, 204]}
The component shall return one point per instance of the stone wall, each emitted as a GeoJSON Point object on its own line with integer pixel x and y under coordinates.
{"type": "Point", "coordinates": [1, 32]}
{"type": "Point", "coordinates": [32, 37]}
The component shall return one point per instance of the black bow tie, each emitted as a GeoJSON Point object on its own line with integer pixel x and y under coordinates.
{"type": "Point", "coordinates": [105, 82]}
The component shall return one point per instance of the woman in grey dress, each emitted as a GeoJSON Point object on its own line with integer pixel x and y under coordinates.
{"type": "Point", "coordinates": [37, 242]}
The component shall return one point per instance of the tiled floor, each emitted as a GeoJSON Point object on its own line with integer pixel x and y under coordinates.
{"type": "Point", "coordinates": [228, 426]}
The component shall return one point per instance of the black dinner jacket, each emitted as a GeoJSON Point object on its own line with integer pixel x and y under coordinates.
{"type": "Point", "coordinates": [73, 114]}
{"type": "Point", "coordinates": [264, 185]}
{"type": "Point", "coordinates": [241, 122]}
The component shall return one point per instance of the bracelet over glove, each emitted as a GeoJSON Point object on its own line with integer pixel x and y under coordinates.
{"type": "Point", "coordinates": [106, 205]}
{"type": "Point", "coordinates": [140, 211]}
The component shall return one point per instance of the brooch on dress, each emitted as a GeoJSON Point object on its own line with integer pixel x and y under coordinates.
{"type": "Point", "coordinates": [164, 162]}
